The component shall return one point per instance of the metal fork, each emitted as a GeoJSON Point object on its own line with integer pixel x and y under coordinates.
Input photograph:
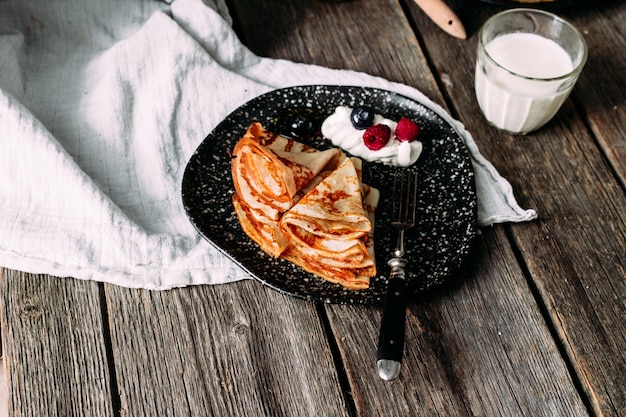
{"type": "Point", "coordinates": [391, 337]}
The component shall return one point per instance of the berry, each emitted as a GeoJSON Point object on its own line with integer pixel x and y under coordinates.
{"type": "Point", "coordinates": [377, 136]}
{"type": "Point", "coordinates": [301, 126]}
{"type": "Point", "coordinates": [407, 130]}
{"type": "Point", "coordinates": [362, 117]}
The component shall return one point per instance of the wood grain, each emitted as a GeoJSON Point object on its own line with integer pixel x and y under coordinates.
{"type": "Point", "coordinates": [54, 344]}
{"type": "Point", "coordinates": [371, 37]}
{"type": "Point", "coordinates": [478, 347]}
{"type": "Point", "coordinates": [575, 251]}
{"type": "Point", "coordinates": [234, 350]}
{"type": "Point", "coordinates": [600, 91]}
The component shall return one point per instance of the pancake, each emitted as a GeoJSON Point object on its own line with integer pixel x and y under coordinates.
{"type": "Point", "coordinates": [305, 205]}
{"type": "Point", "coordinates": [330, 229]}
{"type": "Point", "coordinates": [268, 169]}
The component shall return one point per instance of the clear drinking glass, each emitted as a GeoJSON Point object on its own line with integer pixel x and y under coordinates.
{"type": "Point", "coordinates": [527, 63]}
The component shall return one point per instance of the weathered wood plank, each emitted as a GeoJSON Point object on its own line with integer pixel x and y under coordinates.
{"type": "Point", "coordinates": [372, 37]}
{"type": "Point", "coordinates": [468, 371]}
{"type": "Point", "coordinates": [54, 346]}
{"type": "Point", "coordinates": [600, 90]}
{"type": "Point", "coordinates": [476, 347]}
{"type": "Point", "coordinates": [575, 251]}
{"type": "Point", "coordinates": [233, 350]}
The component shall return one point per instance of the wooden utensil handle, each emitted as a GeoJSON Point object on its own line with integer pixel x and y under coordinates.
{"type": "Point", "coordinates": [440, 13]}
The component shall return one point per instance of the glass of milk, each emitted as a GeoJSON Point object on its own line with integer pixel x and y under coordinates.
{"type": "Point", "coordinates": [527, 63]}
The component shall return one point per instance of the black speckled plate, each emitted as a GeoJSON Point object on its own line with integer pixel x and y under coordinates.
{"type": "Point", "coordinates": [436, 246]}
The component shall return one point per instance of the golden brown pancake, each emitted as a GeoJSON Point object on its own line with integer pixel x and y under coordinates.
{"type": "Point", "coordinates": [330, 229]}
{"type": "Point", "coordinates": [305, 205]}
{"type": "Point", "coordinates": [268, 170]}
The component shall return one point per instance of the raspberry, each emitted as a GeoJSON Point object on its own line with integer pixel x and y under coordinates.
{"type": "Point", "coordinates": [407, 130]}
{"type": "Point", "coordinates": [377, 136]}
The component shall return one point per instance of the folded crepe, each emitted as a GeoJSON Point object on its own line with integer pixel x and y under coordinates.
{"type": "Point", "coordinates": [262, 229]}
{"type": "Point", "coordinates": [268, 169]}
{"type": "Point", "coordinates": [330, 229]}
{"type": "Point", "coordinates": [306, 205]}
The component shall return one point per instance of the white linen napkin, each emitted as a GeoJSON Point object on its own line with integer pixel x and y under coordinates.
{"type": "Point", "coordinates": [102, 103]}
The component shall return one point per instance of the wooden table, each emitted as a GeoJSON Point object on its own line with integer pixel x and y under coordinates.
{"type": "Point", "coordinates": [535, 327]}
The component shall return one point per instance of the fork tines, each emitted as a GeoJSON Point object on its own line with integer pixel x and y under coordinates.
{"type": "Point", "coordinates": [404, 197]}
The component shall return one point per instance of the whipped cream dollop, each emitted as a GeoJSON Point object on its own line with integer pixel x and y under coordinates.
{"type": "Point", "coordinates": [339, 129]}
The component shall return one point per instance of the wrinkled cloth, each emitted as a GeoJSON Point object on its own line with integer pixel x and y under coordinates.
{"type": "Point", "coordinates": [102, 104]}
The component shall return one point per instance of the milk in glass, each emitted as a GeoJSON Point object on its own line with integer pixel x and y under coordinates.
{"type": "Point", "coordinates": [512, 100]}
{"type": "Point", "coordinates": [522, 77]}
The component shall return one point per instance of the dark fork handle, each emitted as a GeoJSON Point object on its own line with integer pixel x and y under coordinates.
{"type": "Point", "coordinates": [392, 328]}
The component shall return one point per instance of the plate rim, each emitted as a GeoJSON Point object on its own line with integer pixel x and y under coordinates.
{"type": "Point", "coordinates": [308, 88]}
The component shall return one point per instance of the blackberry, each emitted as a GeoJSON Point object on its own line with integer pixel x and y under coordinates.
{"type": "Point", "coordinates": [301, 126]}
